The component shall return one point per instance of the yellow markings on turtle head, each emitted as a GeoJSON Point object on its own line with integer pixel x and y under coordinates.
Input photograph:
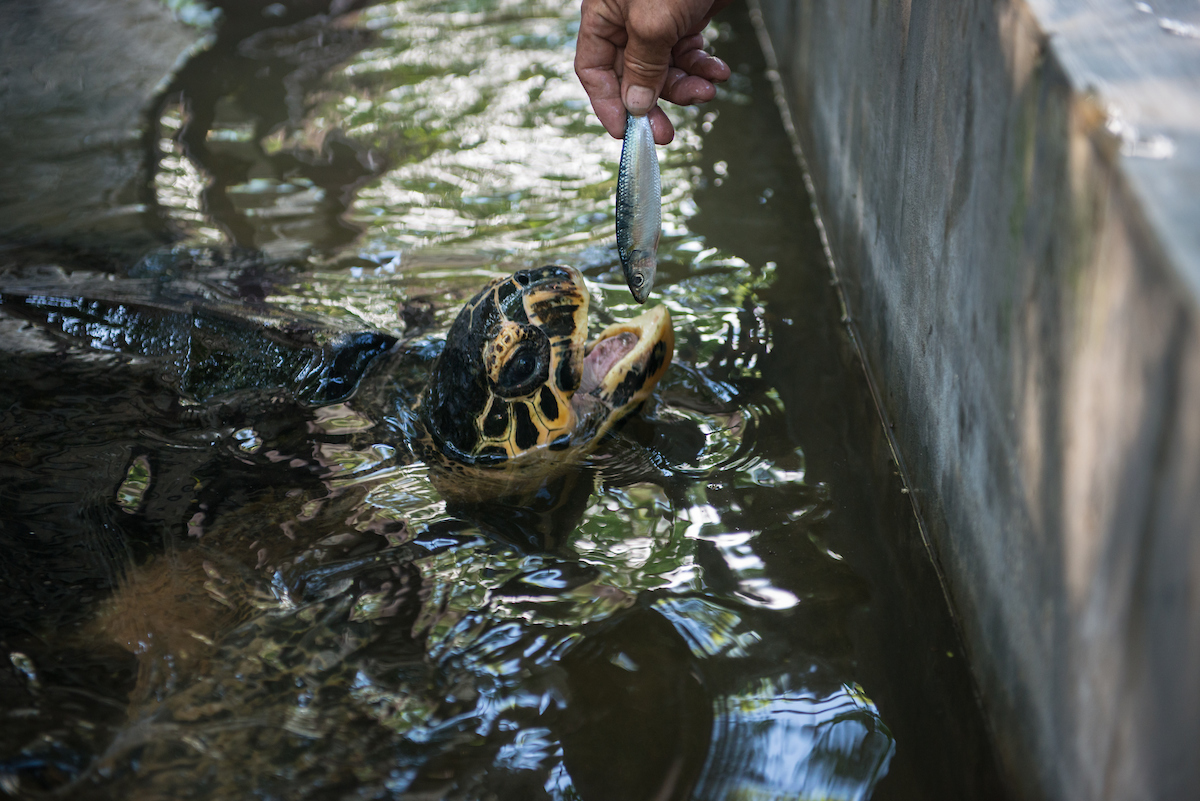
{"type": "Point", "coordinates": [497, 352]}
{"type": "Point", "coordinates": [560, 311]}
{"type": "Point", "coordinates": [533, 365]}
{"type": "Point", "coordinates": [522, 424]}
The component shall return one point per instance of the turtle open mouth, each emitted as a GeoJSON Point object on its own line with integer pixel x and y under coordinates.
{"type": "Point", "coordinates": [625, 362]}
{"type": "Point", "coordinates": [603, 355]}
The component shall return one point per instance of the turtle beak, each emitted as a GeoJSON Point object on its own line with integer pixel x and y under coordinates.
{"type": "Point", "coordinates": [627, 359]}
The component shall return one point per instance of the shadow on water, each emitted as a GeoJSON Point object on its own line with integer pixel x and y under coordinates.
{"type": "Point", "coordinates": [228, 573]}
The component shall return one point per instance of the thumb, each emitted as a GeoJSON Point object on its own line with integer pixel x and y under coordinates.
{"type": "Point", "coordinates": [647, 57]}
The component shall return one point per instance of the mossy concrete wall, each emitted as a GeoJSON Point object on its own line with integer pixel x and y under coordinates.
{"type": "Point", "coordinates": [1011, 196]}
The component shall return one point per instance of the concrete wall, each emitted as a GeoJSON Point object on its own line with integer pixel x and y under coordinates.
{"type": "Point", "coordinates": [1011, 195]}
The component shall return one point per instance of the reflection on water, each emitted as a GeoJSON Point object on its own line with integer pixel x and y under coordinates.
{"type": "Point", "coordinates": [229, 573]}
{"type": "Point", "coordinates": [772, 744]}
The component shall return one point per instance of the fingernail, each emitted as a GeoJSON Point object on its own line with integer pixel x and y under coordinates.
{"type": "Point", "coordinates": [638, 100]}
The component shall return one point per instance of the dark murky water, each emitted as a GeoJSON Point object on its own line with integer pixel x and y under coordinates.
{"type": "Point", "coordinates": [227, 573]}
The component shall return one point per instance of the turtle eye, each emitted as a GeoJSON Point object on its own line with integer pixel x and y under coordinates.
{"type": "Point", "coordinates": [519, 368]}
{"type": "Point", "coordinates": [525, 369]}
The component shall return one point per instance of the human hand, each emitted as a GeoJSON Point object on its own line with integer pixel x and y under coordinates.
{"type": "Point", "coordinates": [631, 52]}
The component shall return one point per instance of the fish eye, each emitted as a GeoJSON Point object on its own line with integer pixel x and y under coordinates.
{"type": "Point", "coordinates": [637, 280]}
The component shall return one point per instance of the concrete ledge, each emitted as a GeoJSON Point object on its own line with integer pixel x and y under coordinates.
{"type": "Point", "coordinates": [77, 80]}
{"type": "Point", "coordinates": [1010, 194]}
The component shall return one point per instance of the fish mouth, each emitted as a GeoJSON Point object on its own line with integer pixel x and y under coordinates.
{"type": "Point", "coordinates": [639, 269]}
{"type": "Point", "coordinates": [624, 363]}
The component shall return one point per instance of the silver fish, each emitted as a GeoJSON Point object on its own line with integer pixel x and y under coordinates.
{"type": "Point", "coordinates": [639, 207]}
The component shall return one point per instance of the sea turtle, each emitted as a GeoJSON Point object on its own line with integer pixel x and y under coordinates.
{"type": "Point", "coordinates": [516, 379]}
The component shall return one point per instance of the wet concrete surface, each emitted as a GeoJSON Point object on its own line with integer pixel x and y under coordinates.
{"type": "Point", "coordinates": [1009, 195]}
{"type": "Point", "coordinates": [78, 88]}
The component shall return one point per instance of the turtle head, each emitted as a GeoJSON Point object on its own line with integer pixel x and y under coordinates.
{"type": "Point", "coordinates": [517, 377]}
